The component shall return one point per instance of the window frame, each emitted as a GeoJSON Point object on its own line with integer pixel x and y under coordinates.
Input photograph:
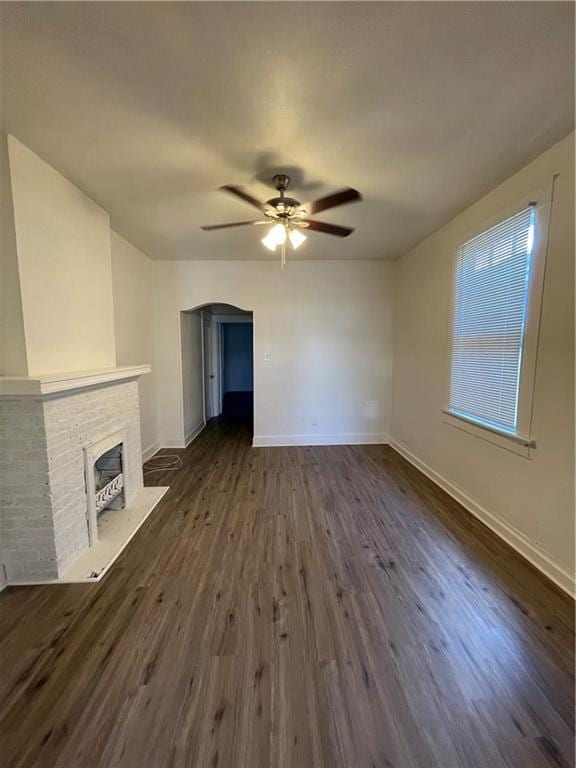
{"type": "Point", "coordinates": [521, 441]}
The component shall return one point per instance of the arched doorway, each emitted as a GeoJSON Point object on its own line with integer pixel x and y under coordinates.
{"type": "Point", "coordinates": [217, 367]}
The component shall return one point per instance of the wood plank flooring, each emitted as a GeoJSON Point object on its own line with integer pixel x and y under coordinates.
{"type": "Point", "coordinates": [293, 607]}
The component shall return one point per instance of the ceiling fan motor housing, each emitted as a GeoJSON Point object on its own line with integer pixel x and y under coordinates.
{"type": "Point", "coordinates": [282, 181]}
{"type": "Point", "coordinates": [284, 206]}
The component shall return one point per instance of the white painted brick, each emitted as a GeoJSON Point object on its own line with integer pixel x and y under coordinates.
{"type": "Point", "coordinates": [42, 484]}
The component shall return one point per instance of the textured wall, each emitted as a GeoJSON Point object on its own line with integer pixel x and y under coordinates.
{"type": "Point", "coordinates": [42, 493]}
{"type": "Point", "coordinates": [28, 546]}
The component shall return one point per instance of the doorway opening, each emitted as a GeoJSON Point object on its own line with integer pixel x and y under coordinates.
{"type": "Point", "coordinates": [217, 367]}
{"type": "Point", "coordinates": [228, 363]}
{"type": "Point", "coordinates": [236, 370]}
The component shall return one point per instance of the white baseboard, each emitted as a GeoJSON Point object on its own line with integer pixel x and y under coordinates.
{"type": "Point", "coordinates": [277, 441]}
{"type": "Point", "coordinates": [178, 445]}
{"type": "Point", "coordinates": [512, 536]}
{"type": "Point", "coordinates": [147, 453]}
{"type": "Point", "coordinates": [194, 432]}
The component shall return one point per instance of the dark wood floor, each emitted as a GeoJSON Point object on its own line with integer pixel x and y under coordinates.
{"type": "Point", "coordinates": [293, 607]}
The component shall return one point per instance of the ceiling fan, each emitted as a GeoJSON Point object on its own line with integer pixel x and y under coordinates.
{"type": "Point", "coordinates": [288, 217]}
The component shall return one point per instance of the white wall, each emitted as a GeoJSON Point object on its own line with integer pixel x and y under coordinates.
{"type": "Point", "coordinates": [530, 501]}
{"type": "Point", "coordinates": [63, 243]}
{"type": "Point", "coordinates": [13, 361]}
{"type": "Point", "coordinates": [133, 292]}
{"type": "Point", "coordinates": [192, 374]}
{"type": "Point", "coordinates": [327, 327]}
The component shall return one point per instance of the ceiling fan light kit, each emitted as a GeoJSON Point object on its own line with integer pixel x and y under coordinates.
{"type": "Point", "coordinates": [287, 216]}
{"type": "Point", "coordinates": [276, 236]}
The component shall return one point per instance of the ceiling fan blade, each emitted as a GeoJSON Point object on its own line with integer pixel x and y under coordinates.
{"type": "Point", "coordinates": [323, 226]}
{"type": "Point", "coordinates": [239, 192]}
{"type": "Point", "coordinates": [342, 197]}
{"type": "Point", "coordinates": [233, 224]}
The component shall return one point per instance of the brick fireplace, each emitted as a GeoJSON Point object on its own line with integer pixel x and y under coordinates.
{"type": "Point", "coordinates": [53, 429]}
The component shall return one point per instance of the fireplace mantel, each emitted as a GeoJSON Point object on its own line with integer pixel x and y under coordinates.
{"type": "Point", "coordinates": [55, 384]}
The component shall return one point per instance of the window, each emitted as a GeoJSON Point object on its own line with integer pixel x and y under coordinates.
{"type": "Point", "coordinates": [495, 286]}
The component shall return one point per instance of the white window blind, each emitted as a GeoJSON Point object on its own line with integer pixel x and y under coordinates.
{"type": "Point", "coordinates": [491, 292]}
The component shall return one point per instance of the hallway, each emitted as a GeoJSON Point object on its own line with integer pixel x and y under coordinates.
{"type": "Point", "coordinates": [298, 607]}
{"type": "Point", "coordinates": [238, 406]}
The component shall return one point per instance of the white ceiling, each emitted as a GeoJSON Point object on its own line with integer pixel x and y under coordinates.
{"type": "Point", "coordinates": [423, 107]}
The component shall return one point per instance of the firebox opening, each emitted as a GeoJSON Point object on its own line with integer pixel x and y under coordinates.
{"type": "Point", "coordinates": [109, 480]}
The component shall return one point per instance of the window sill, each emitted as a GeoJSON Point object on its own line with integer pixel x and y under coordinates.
{"type": "Point", "coordinates": [514, 443]}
